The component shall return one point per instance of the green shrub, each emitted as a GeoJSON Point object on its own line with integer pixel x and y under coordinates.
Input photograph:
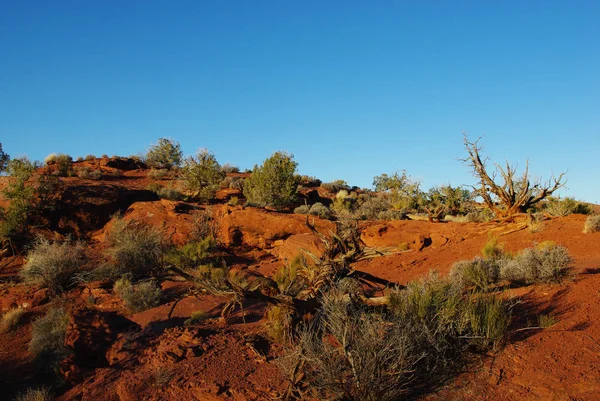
{"type": "Point", "coordinates": [48, 335]}
{"type": "Point", "coordinates": [274, 183]}
{"type": "Point", "coordinates": [22, 198]}
{"type": "Point", "coordinates": [140, 297]}
{"type": "Point", "coordinates": [63, 163]}
{"type": "Point", "coordinates": [192, 254]}
{"type": "Point", "coordinates": [488, 319]}
{"type": "Point", "coordinates": [492, 250]}
{"type": "Point", "coordinates": [165, 154]}
{"type": "Point", "coordinates": [11, 319]}
{"type": "Point", "coordinates": [302, 209]}
{"type": "Point", "coordinates": [318, 209]}
{"type": "Point", "coordinates": [202, 175]}
{"type": "Point", "coordinates": [4, 159]}
{"type": "Point", "coordinates": [279, 323]}
{"type": "Point", "coordinates": [565, 206]}
{"type": "Point", "coordinates": [232, 182]}
{"type": "Point", "coordinates": [169, 194]}
{"type": "Point", "coordinates": [134, 247]}
{"type": "Point", "coordinates": [336, 186]}
{"type": "Point", "coordinates": [86, 173]}
{"type": "Point", "coordinates": [592, 224]}
{"type": "Point", "coordinates": [53, 265]}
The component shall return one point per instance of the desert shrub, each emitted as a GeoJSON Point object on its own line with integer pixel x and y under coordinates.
{"type": "Point", "coordinates": [90, 158]}
{"type": "Point", "coordinates": [202, 175]}
{"type": "Point", "coordinates": [229, 168]}
{"type": "Point", "coordinates": [4, 159]}
{"type": "Point", "coordinates": [158, 174]}
{"type": "Point", "coordinates": [592, 224]}
{"type": "Point", "coordinates": [480, 216]}
{"type": "Point", "coordinates": [134, 247]}
{"type": "Point", "coordinates": [21, 195]}
{"type": "Point", "coordinates": [48, 335]}
{"type": "Point", "coordinates": [302, 209]}
{"type": "Point", "coordinates": [63, 163]}
{"type": "Point", "coordinates": [492, 250]}
{"type": "Point", "coordinates": [478, 274]}
{"type": "Point", "coordinates": [79, 159]}
{"type": "Point", "coordinates": [488, 320]}
{"type": "Point", "coordinates": [379, 207]}
{"type": "Point", "coordinates": [286, 276]}
{"type": "Point", "coordinates": [232, 182]}
{"type": "Point", "coordinates": [169, 194]}
{"type": "Point", "coordinates": [403, 193]}
{"type": "Point", "coordinates": [11, 319]}
{"type": "Point", "coordinates": [545, 263]}
{"type": "Point", "coordinates": [279, 324]}
{"type": "Point", "coordinates": [204, 225]}
{"type": "Point", "coordinates": [86, 173]}
{"type": "Point", "coordinates": [196, 317]}
{"type": "Point", "coordinates": [318, 209]}
{"type": "Point", "coordinates": [336, 186]}
{"type": "Point", "coordinates": [53, 264]}
{"type": "Point", "coordinates": [140, 297]}
{"type": "Point", "coordinates": [192, 254]}
{"type": "Point", "coordinates": [565, 206]}
{"type": "Point", "coordinates": [233, 201]}
{"type": "Point", "coordinates": [308, 181]}
{"type": "Point", "coordinates": [274, 183]}
{"type": "Point", "coordinates": [165, 154]}
{"type": "Point", "coordinates": [35, 394]}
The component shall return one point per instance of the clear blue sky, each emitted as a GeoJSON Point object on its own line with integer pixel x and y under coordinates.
{"type": "Point", "coordinates": [352, 88]}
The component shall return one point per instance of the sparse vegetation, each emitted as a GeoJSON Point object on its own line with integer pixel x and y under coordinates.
{"type": "Point", "coordinates": [196, 317]}
{"type": "Point", "coordinates": [11, 319]}
{"type": "Point", "coordinates": [158, 174]}
{"type": "Point", "coordinates": [48, 335]}
{"type": "Point", "coordinates": [229, 168]}
{"type": "Point", "coordinates": [274, 183]}
{"type": "Point", "coordinates": [138, 298]}
{"type": "Point", "coordinates": [35, 394]}
{"type": "Point", "coordinates": [53, 265]}
{"type": "Point", "coordinates": [165, 154]}
{"type": "Point", "coordinates": [318, 209]}
{"type": "Point", "coordinates": [565, 206]}
{"type": "Point", "coordinates": [302, 209]}
{"type": "Point", "coordinates": [87, 173]}
{"type": "Point", "coordinates": [592, 224]}
{"type": "Point", "coordinates": [63, 163]}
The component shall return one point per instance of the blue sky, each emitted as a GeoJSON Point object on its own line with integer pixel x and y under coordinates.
{"type": "Point", "coordinates": [352, 88]}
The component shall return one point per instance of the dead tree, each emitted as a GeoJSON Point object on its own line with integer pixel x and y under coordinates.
{"type": "Point", "coordinates": [514, 195]}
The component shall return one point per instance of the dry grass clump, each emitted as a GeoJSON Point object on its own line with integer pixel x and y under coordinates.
{"type": "Point", "coordinates": [592, 224]}
{"type": "Point", "coordinates": [35, 394]}
{"type": "Point", "coordinates": [286, 276]}
{"type": "Point", "coordinates": [11, 319]}
{"type": "Point", "coordinates": [140, 297]}
{"type": "Point", "coordinates": [53, 264]}
{"type": "Point", "coordinates": [134, 247]}
{"type": "Point", "coordinates": [48, 335]}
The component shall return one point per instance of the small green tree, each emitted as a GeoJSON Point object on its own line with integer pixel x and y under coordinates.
{"type": "Point", "coordinates": [402, 191]}
{"type": "Point", "coordinates": [274, 183]}
{"type": "Point", "coordinates": [202, 175]}
{"type": "Point", "coordinates": [4, 159]}
{"type": "Point", "coordinates": [165, 154]}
